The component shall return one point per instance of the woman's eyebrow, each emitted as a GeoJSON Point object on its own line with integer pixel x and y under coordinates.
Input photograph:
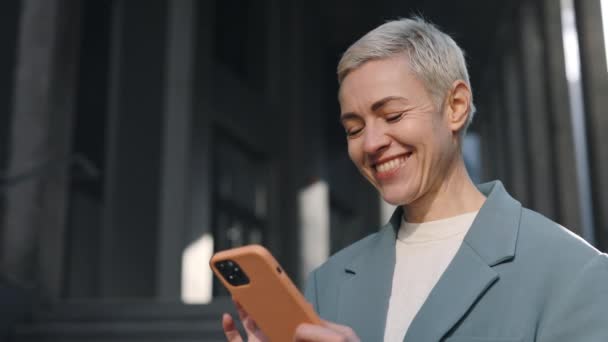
{"type": "Point", "coordinates": [380, 103]}
{"type": "Point", "coordinates": [348, 116]}
{"type": "Point", "coordinates": [374, 107]}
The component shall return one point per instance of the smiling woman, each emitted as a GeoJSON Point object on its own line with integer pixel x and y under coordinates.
{"type": "Point", "coordinates": [456, 261]}
{"type": "Point", "coordinates": [400, 139]}
{"type": "Point", "coordinates": [406, 103]}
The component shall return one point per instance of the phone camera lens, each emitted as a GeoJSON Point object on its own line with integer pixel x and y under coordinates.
{"type": "Point", "coordinates": [232, 272]}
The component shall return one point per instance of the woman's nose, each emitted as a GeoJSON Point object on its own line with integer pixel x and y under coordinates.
{"type": "Point", "coordinates": [375, 140]}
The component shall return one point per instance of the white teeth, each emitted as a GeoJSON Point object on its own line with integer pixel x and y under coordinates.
{"type": "Point", "coordinates": [390, 165]}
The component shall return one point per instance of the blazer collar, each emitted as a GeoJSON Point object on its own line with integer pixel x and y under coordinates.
{"type": "Point", "coordinates": [491, 240]}
{"type": "Point", "coordinates": [364, 296]}
{"type": "Point", "coordinates": [493, 234]}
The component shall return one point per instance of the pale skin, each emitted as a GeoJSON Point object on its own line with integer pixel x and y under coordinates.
{"type": "Point", "coordinates": [408, 146]}
{"type": "Point", "coordinates": [328, 331]}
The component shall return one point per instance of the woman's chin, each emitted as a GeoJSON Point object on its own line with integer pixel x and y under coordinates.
{"type": "Point", "coordinates": [397, 197]}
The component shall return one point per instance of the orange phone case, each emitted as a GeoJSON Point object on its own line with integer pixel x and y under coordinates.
{"type": "Point", "coordinates": [270, 297]}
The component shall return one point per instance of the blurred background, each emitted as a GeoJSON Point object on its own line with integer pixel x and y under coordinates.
{"type": "Point", "coordinates": [138, 137]}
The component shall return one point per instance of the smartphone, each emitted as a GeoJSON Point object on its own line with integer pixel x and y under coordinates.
{"type": "Point", "coordinates": [257, 281]}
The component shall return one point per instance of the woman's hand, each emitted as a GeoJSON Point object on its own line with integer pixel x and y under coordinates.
{"type": "Point", "coordinates": [328, 332]}
{"type": "Point", "coordinates": [254, 334]}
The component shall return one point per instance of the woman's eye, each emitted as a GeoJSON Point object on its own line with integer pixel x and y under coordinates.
{"type": "Point", "coordinates": [394, 117]}
{"type": "Point", "coordinates": [353, 132]}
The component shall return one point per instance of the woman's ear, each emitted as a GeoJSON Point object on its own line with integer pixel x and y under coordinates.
{"type": "Point", "coordinates": [458, 105]}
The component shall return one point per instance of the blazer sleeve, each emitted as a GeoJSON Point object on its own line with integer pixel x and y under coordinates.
{"type": "Point", "coordinates": [580, 311]}
{"type": "Point", "coordinates": [310, 290]}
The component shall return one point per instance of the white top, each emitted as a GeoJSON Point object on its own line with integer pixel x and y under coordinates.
{"type": "Point", "coordinates": [423, 252]}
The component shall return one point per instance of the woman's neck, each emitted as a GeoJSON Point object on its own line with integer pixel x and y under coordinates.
{"type": "Point", "coordinates": [455, 195]}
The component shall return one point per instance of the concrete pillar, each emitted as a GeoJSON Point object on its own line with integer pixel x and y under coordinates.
{"type": "Point", "coordinates": [272, 94]}
{"type": "Point", "coordinates": [89, 140]}
{"type": "Point", "coordinates": [175, 194]}
{"type": "Point", "coordinates": [567, 190]}
{"type": "Point", "coordinates": [9, 21]}
{"type": "Point", "coordinates": [493, 114]}
{"type": "Point", "coordinates": [200, 153]}
{"type": "Point", "coordinates": [518, 167]}
{"type": "Point", "coordinates": [539, 146]}
{"type": "Point", "coordinates": [39, 145]}
{"type": "Point", "coordinates": [595, 88]}
{"type": "Point", "coordinates": [500, 144]}
{"type": "Point", "coordinates": [487, 147]}
{"type": "Point", "coordinates": [299, 123]}
{"type": "Point", "coordinates": [133, 164]}
{"type": "Point", "coordinates": [487, 141]}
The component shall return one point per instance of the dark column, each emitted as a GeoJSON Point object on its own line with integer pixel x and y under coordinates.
{"type": "Point", "coordinates": [595, 90]}
{"type": "Point", "coordinates": [200, 154]}
{"type": "Point", "coordinates": [281, 192]}
{"type": "Point", "coordinates": [503, 149]}
{"type": "Point", "coordinates": [272, 93]}
{"type": "Point", "coordinates": [493, 114]}
{"type": "Point", "coordinates": [299, 122]}
{"type": "Point", "coordinates": [132, 183]}
{"type": "Point", "coordinates": [488, 140]}
{"type": "Point", "coordinates": [499, 119]}
{"type": "Point", "coordinates": [88, 145]}
{"type": "Point", "coordinates": [567, 189]}
{"type": "Point", "coordinates": [518, 167]}
{"type": "Point", "coordinates": [176, 146]}
{"type": "Point", "coordinates": [34, 201]}
{"type": "Point", "coordinates": [536, 120]}
{"type": "Point", "coordinates": [9, 24]}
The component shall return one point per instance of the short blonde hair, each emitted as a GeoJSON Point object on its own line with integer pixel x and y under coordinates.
{"type": "Point", "coordinates": [433, 56]}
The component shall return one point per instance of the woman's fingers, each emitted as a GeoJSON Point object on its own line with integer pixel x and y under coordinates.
{"type": "Point", "coordinates": [240, 310]}
{"type": "Point", "coordinates": [232, 334]}
{"type": "Point", "coordinates": [254, 333]}
{"type": "Point", "coordinates": [328, 332]}
{"type": "Point", "coordinates": [311, 332]}
{"type": "Point", "coordinates": [250, 326]}
{"type": "Point", "coordinates": [345, 330]}
{"type": "Point", "coordinates": [248, 323]}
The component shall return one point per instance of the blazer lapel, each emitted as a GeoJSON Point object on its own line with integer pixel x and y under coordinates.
{"type": "Point", "coordinates": [463, 282]}
{"type": "Point", "coordinates": [491, 240]}
{"type": "Point", "coordinates": [364, 297]}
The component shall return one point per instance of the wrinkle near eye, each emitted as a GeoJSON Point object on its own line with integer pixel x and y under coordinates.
{"type": "Point", "coordinates": [353, 130]}
{"type": "Point", "coordinates": [395, 109]}
{"type": "Point", "coordinates": [394, 117]}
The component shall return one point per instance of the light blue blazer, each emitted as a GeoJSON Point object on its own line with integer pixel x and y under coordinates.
{"type": "Point", "coordinates": [517, 277]}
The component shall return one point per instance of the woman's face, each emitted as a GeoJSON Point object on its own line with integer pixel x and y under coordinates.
{"type": "Point", "coordinates": [398, 137]}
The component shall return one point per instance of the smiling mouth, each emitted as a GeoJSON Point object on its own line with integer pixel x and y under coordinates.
{"type": "Point", "coordinates": [392, 165]}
